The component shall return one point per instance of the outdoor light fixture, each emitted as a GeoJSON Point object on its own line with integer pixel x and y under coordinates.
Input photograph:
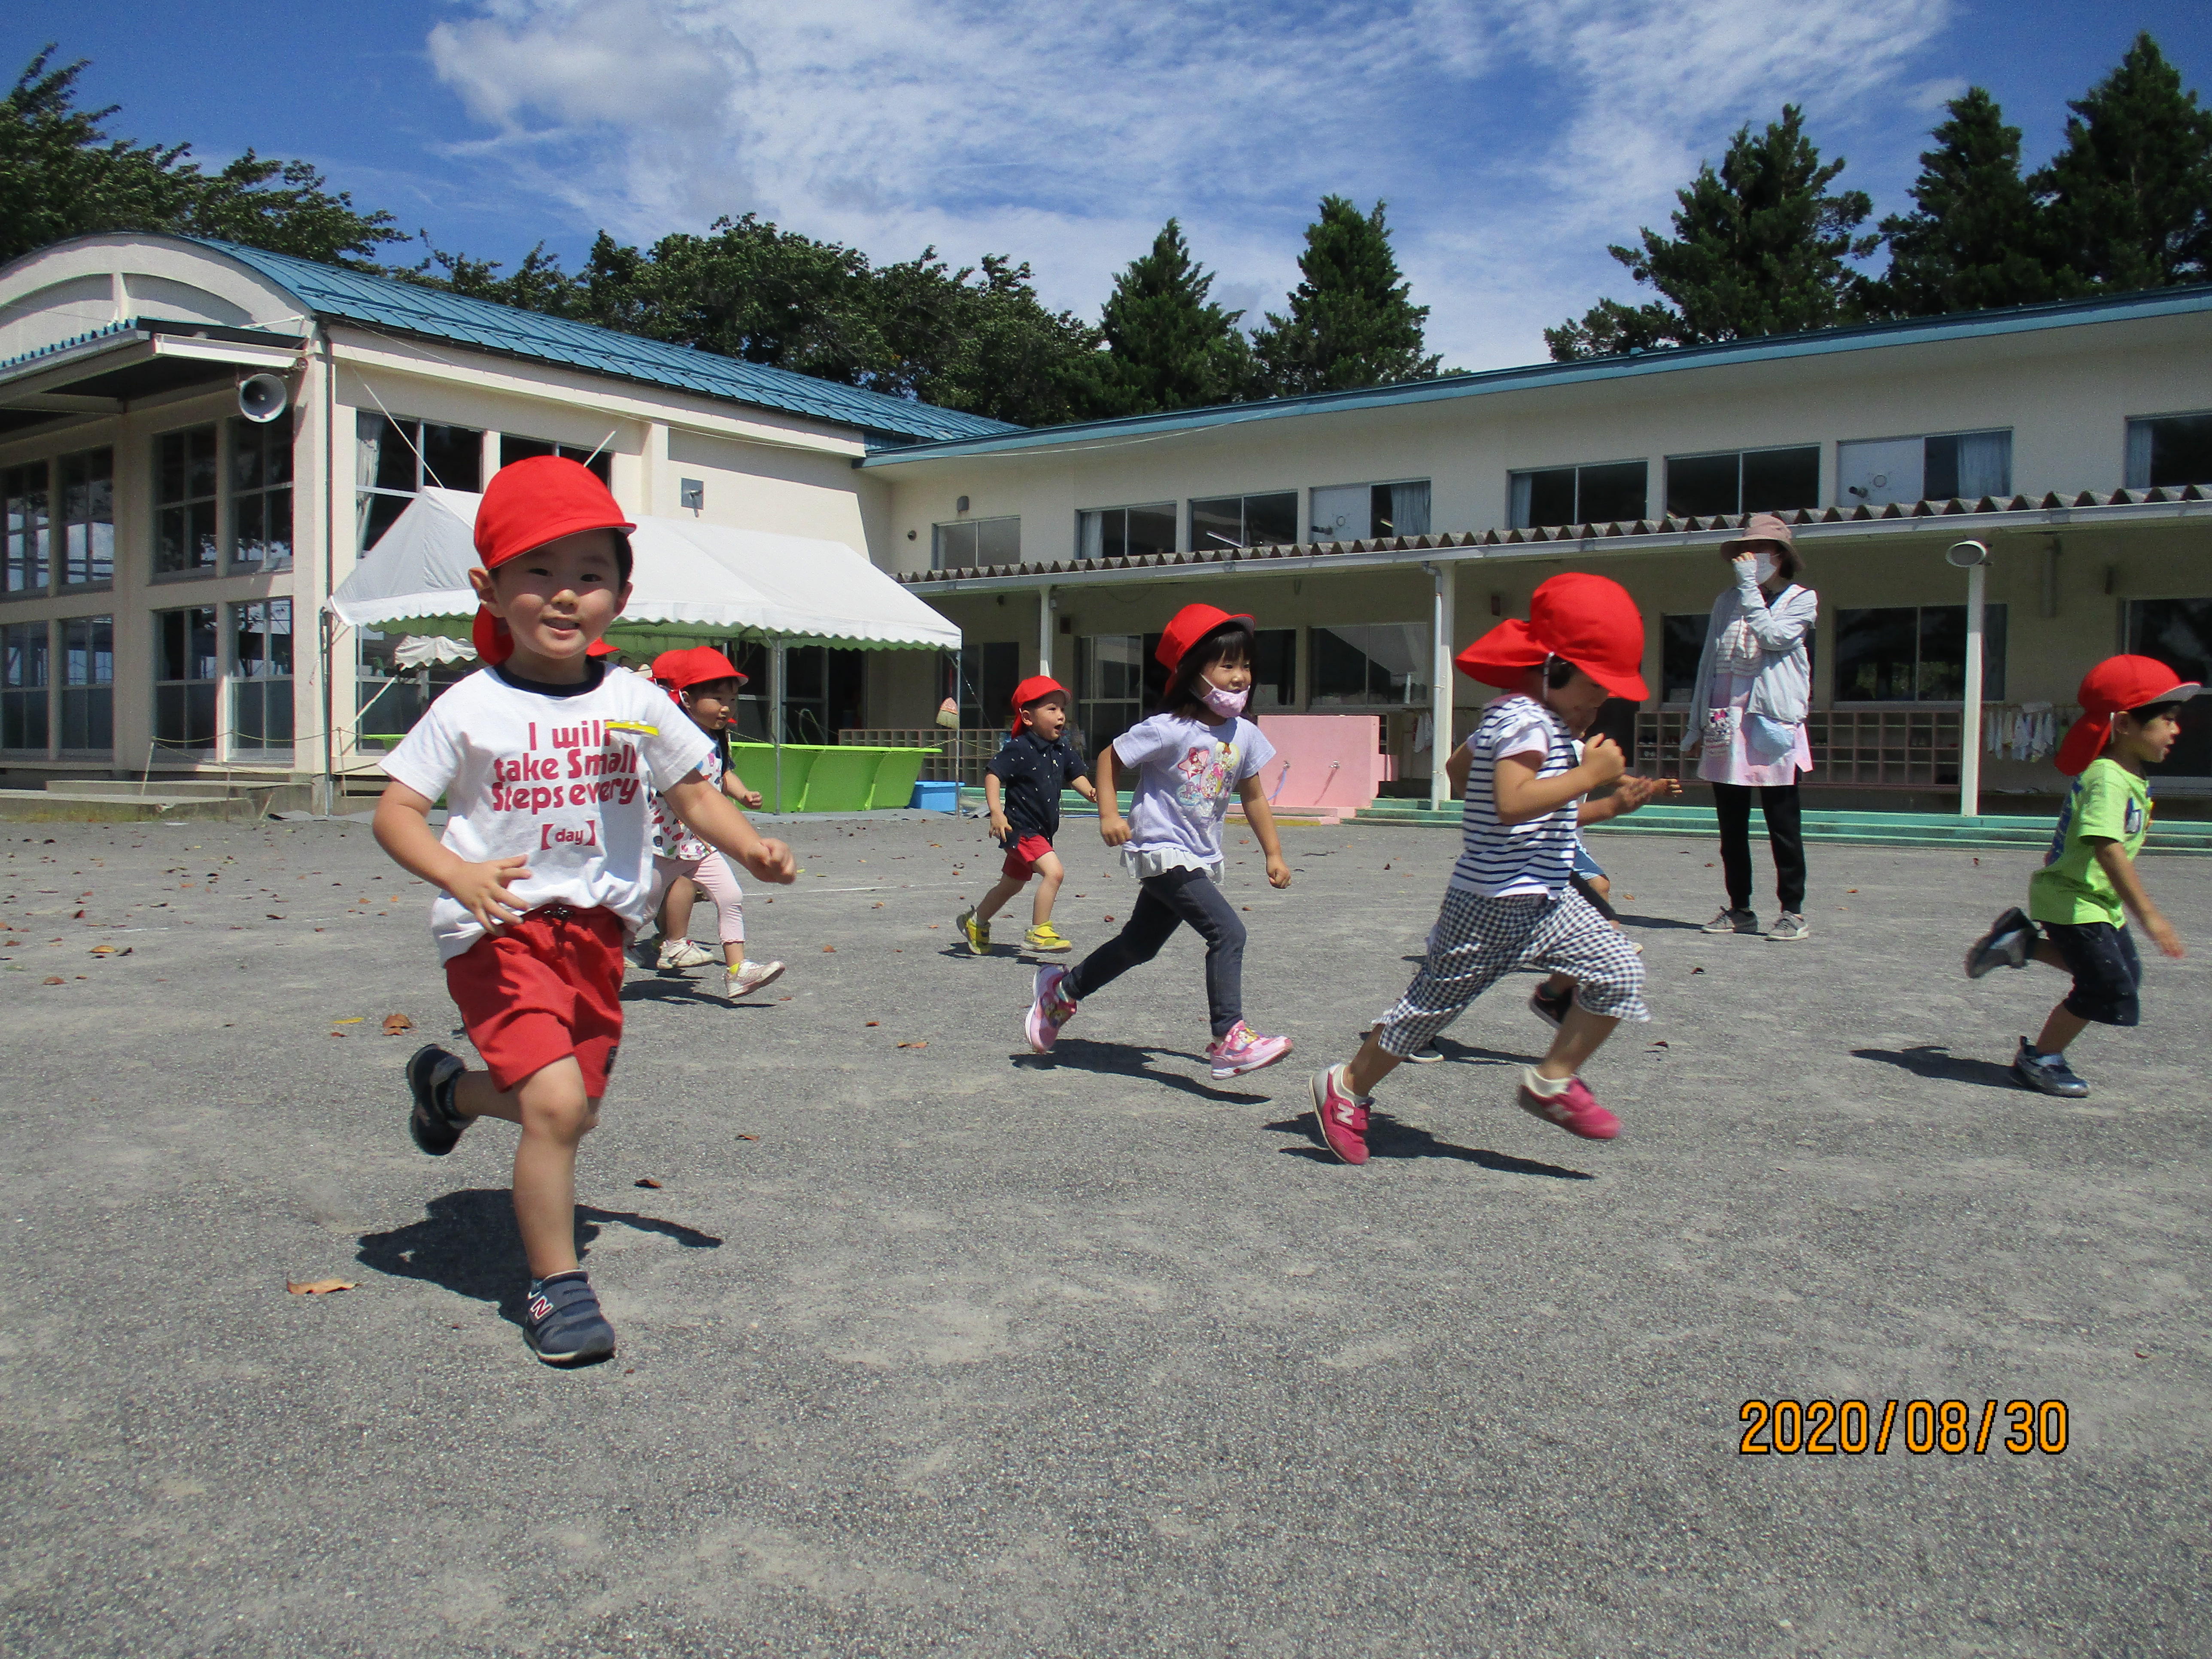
{"type": "Point", "coordinates": [1973, 558]}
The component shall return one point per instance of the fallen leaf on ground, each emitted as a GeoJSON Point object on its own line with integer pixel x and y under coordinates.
{"type": "Point", "coordinates": [53, 979]}
{"type": "Point", "coordinates": [1109, 918]}
{"type": "Point", "coordinates": [924, 1043]}
{"type": "Point", "coordinates": [829, 950]}
{"type": "Point", "coordinates": [749, 1137]}
{"type": "Point", "coordinates": [395, 1023]}
{"type": "Point", "coordinates": [1696, 970]}
{"type": "Point", "coordinates": [645, 1180]}
{"type": "Point", "coordinates": [319, 1287]}
{"type": "Point", "coordinates": [1660, 1044]}
{"type": "Point", "coordinates": [103, 951]}
{"type": "Point", "coordinates": [1851, 890]}
{"type": "Point", "coordinates": [355, 1020]}
{"type": "Point", "coordinates": [338, 1033]}
{"type": "Point", "coordinates": [273, 917]}
{"type": "Point", "coordinates": [875, 1022]}
{"type": "Point", "coordinates": [877, 905]}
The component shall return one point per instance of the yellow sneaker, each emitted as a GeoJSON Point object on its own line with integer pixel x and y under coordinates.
{"type": "Point", "coordinates": [977, 933]}
{"type": "Point", "coordinates": [1047, 938]}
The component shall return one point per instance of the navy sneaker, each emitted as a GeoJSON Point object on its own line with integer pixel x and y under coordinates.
{"type": "Point", "coordinates": [2006, 943]}
{"type": "Point", "coordinates": [563, 1324]}
{"type": "Point", "coordinates": [2049, 1074]}
{"type": "Point", "coordinates": [435, 1123]}
{"type": "Point", "coordinates": [1550, 1010]}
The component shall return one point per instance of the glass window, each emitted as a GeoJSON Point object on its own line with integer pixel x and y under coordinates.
{"type": "Point", "coordinates": [1117, 682]}
{"type": "Point", "coordinates": [184, 488]}
{"type": "Point", "coordinates": [29, 528]}
{"type": "Point", "coordinates": [1351, 512]}
{"type": "Point", "coordinates": [261, 674]}
{"type": "Point", "coordinates": [389, 698]}
{"type": "Point", "coordinates": [513, 449]}
{"type": "Point", "coordinates": [1610, 492]}
{"type": "Point", "coordinates": [187, 652]}
{"type": "Point", "coordinates": [88, 518]}
{"type": "Point", "coordinates": [2170, 452]}
{"type": "Point", "coordinates": [1274, 670]}
{"type": "Point", "coordinates": [1377, 665]}
{"type": "Point", "coordinates": [393, 460]}
{"type": "Point", "coordinates": [988, 674]}
{"type": "Point", "coordinates": [973, 542]}
{"type": "Point", "coordinates": [1115, 533]}
{"type": "Point", "coordinates": [261, 493]}
{"type": "Point", "coordinates": [1682, 642]}
{"type": "Point", "coordinates": [24, 686]}
{"type": "Point", "coordinates": [87, 684]}
{"type": "Point", "coordinates": [1743, 481]}
{"type": "Point", "coordinates": [1267, 520]}
{"type": "Point", "coordinates": [2178, 633]}
{"type": "Point", "coordinates": [1909, 653]}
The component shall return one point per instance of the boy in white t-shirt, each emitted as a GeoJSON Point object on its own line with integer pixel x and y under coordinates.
{"type": "Point", "coordinates": [545, 866]}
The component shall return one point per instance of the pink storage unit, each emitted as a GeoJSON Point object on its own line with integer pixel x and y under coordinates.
{"type": "Point", "coordinates": [1325, 765]}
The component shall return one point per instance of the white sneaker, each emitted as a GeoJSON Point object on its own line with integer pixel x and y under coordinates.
{"type": "Point", "coordinates": [746, 979]}
{"type": "Point", "coordinates": [683, 953]}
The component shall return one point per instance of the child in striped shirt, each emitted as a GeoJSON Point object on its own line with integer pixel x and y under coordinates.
{"type": "Point", "coordinates": [1509, 905]}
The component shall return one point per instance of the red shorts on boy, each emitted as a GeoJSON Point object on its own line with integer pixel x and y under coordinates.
{"type": "Point", "coordinates": [1022, 856]}
{"type": "Point", "coordinates": [547, 988]}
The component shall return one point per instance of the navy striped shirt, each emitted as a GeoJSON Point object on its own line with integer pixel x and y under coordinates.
{"type": "Point", "coordinates": [1501, 860]}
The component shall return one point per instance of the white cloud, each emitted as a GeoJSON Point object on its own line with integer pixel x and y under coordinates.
{"type": "Point", "coordinates": [1512, 137]}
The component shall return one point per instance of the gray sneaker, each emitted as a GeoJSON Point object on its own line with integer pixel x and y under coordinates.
{"type": "Point", "coordinates": [433, 1119]}
{"type": "Point", "coordinates": [2006, 943]}
{"type": "Point", "coordinates": [1788, 926]}
{"type": "Point", "coordinates": [1733, 921]}
{"type": "Point", "coordinates": [2048, 1074]}
{"type": "Point", "coordinates": [563, 1322]}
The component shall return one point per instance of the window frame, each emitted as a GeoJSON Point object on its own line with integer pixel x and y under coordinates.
{"type": "Point", "coordinates": [37, 696]}
{"type": "Point", "coordinates": [64, 522]}
{"type": "Point", "coordinates": [1171, 510]}
{"type": "Point", "coordinates": [91, 693]}
{"type": "Point", "coordinates": [1996, 632]}
{"type": "Point", "coordinates": [598, 461]}
{"type": "Point", "coordinates": [1244, 500]}
{"type": "Point", "coordinates": [2145, 423]}
{"type": "Point", "coordinates": [1666, 487]}
{"type": "Point", "coordinates": [1385, 490]}
{"type": "Point", "coordinates": [212, 747]}
{"type": "Point", "coordinates": [1519, 516]}
{"type": "Point", "coordinates": [11, 491]}
{"type": "Point", "coordinates": [239, 679]}
{"type": "Point", "coordinates": [269, 488]}
{"type": "Point", "coordinates": [414, 446]}
{"type": "Point", "coordinates": [938, 538]}
{"type": "Point", "coordinates": [160, 506]}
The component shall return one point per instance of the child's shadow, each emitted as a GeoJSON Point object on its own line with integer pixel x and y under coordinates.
{"type": "Point", "coordinates": [1934, 1061]}
{"type": "Point", "coordinates": [1129, 1060]}
{"type": "Point", "coordinates": [681, 989]}
{"type": "Point", "coordinates": [1387, 1138]}
{"type": "Point", "coordinates": [468, 1244]}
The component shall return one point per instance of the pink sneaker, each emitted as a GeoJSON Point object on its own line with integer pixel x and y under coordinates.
{"type": "Point", "coordinates": [1342, 1117]}
{"type": "Point", "coordinates": [1244, 1050]}
{"type": "Point", "coordinates": [1574, 1110]}
{"type": "Point", "coordinates": [1049, 1011]}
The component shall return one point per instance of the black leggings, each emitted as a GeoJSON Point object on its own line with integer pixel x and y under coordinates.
{"type": "Point", "coordinates": [1165, 903]}
{"type": "Point", "coordinates": [1778, 802]}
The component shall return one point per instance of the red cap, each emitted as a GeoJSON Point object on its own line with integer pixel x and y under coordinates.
{"type": "Point", "coordinates": [2115, 686]}
{"type": "Point", "coordinates": [1589, 620]}
{"type": "Point", "coordinates": [525, 506]}
{"type": "Point", "coordinates": [1192, 624]}
{"type": "Point", "coordinates": [679, 670]}
{"type": "Point", "coordinates": [601, 649]}
{"type": "Point", "coordinates": [1030, 691]}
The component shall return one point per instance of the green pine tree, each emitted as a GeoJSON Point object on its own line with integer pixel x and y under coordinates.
{"type": "Point", "coordinates": [1980, 237]}
{"type": "Point", "coordinates": [1759, 247]}
{"type": "Point", "coordinates": [1352, 321]}
{"type": "Point", "coordinates": [2132, 193]}
{"type": "Point", "coordinates": [1167, 345]}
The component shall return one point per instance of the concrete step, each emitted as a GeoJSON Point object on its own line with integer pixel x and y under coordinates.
{"type": "Point", "coordinates": [76, 806]}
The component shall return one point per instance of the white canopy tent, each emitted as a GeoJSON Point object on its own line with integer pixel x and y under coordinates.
{"type": "Point", "coordinates": [693, 583]}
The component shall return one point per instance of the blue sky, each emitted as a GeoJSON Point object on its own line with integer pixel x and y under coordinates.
{"type": "Point", "coordinates": [1513, 139]}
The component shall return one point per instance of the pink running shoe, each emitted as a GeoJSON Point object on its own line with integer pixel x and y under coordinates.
{"type": "Point", "coordinates": [1049, 1011]}
{"type": "Point", "coordinates": [1244, 1050]}
{"type": "Point", "coordinates": [1574, 1110]}
{"type": "Point", "coordinates": [1342, 1116]}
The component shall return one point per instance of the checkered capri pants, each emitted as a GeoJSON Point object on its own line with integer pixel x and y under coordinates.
{"type": "Point", "coordinates": [1477, 941]}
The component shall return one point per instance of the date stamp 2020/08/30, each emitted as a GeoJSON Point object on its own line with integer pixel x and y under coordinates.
{"type": "Point", "coordinates": [1852, 1428]}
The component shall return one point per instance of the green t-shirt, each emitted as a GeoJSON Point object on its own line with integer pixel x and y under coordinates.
{"type": "Point", "coordinates": [2108, 802]}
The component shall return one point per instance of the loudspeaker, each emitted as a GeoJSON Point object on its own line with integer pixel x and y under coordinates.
{"type": "Point", "coordinates": [1966, 555]}
{"type": "Point", "coordinates": [263, 398]}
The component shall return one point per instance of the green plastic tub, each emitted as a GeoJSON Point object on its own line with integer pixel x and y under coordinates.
{"type": "Point", "coordinates": [829, 777]}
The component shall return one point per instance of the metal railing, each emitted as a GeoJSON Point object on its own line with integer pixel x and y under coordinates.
{"type": "Point", "coordinates": [960, 758]}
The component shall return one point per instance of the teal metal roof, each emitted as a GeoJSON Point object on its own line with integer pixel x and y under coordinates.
{"type": "Point", "coordinates": [1966, 326]}
{"type": "Point", "coordinates": [386, 302]}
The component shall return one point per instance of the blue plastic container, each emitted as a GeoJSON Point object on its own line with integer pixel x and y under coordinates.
{"type": "Point", "coordinates": [936, 795]}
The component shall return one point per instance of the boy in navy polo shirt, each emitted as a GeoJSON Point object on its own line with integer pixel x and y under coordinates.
{"type": "Point", "coordinates": [1021, 788]}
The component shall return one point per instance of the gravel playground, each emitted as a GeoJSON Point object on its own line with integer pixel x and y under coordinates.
{"type": "Point", "coordinates": [928, 1345]}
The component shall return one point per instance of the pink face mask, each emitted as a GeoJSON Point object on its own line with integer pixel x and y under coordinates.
{"type": "Point", "coordinates": [1227, 704]}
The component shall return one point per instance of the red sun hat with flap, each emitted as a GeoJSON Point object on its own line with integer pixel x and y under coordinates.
{"type": "Point", "coordinates": [1032, 689]}
{"type": "Point", "coordinates": [1589, 620]}
{"type": "Point", "coordinates": [525, 506]}
{"type": "Point", "coordinates": [1192, 624]}
{"type": "Point", "coordinates": [679, 670]}
{"type": "Point", "coordinates": [2116, 685]}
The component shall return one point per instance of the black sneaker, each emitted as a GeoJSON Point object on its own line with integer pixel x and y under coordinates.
{"type": "Point", "coordinates": [2047, 1074]}
{"type": "Point", "coordinates": [1550, 1010]}
{"type": "Point", "coordinates": [435, 1123]}
{"type": "Point", "coordinates": [563, 1322]}
{"type": "Point", "coordinates": [2006, 943]}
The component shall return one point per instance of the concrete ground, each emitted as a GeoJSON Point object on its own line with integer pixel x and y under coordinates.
{"type": "Point", "coordinates": [928, 1345]}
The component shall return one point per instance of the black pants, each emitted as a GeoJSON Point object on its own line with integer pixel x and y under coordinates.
{"type": "Point", "coordinates": [1732, 805]}
{"type": "Point", "coordinates": [1165, 903]}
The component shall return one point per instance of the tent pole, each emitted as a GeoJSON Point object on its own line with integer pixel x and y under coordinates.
{"type": "Point", "coordinates": [776, 697]}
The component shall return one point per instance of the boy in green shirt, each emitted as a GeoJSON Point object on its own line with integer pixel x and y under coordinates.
{"type": "Point", "coordinates": [2131, 716]}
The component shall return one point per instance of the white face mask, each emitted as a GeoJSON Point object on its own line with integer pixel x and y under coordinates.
{"type": "Point", "coordinates": [1764, 565]}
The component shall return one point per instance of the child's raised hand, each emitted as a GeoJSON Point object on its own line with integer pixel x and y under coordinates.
{"type": "Point", "coordinates": [1278, 873]}
{"type": "Point", "coordinates": [771, 860]}
{"type": "Point", "coordinates": [1602, 757]}
{"type": "Point", "coordinates": [482, 890]}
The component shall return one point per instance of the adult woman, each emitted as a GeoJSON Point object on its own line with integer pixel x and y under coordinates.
{"type": "Point", "coordinates": [1747, 719]}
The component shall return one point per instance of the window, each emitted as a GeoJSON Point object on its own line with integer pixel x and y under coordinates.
{"type": "Point", "coordinates": [393, 460]}
{"type": "Point", "coordinates": [513, 449]}
{"type": "Point", "coordinates": [185, 486]}
{"type": "Point", "coordinates": [1375, 666]}
{"type": "Point", "coordinates": [24, 686]}
{"type": "Point", "coordinates": [261, 493]}
{"type": "Point", "coordinates": [29, 528]}
{"type": "Point", "coordinates": [988, 673]}
{"type": "Point", "coordinates": [186, 648]}
{"type": "Point", "coordinates": [388, 696]}
{"type": "Point", "coordinates": [87, 684]}
{"type": "Point", "coordinates": [1351, 512]}
{"type": "Point", "coordinates": [88, 518]}
{"type": "Point", "coordinates": [1681, 643]}
{"type": "Point", "coordinates": [261, 675]}
{"type": "Point", "coordinates": [1957, 465]}
{"type": "Point", "coordinates": [2174, 450]}
{"type": "Point", "coordinates": [1269, 520]}
{"type": "Point", "coordinates": [976, 542]}
{"type": "Point", "coordinates": [1908, 654]}
{"type": "Point", "coordinates": [1609, 494]}
{"type": "Point", "coordinates": [2178, 633]}
{"type": "Point", "coordinates": [1274, 670]}
{"type": "Point", "coordinates": [1115, 533]}
{"type": "Point", "coordinates": [1743, 481]}
{"type": "Point", "coordinates": [1117, 682]}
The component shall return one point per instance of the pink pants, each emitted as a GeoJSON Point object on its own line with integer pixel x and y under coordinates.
{"type": "Point", "coordinates": [716, 879]}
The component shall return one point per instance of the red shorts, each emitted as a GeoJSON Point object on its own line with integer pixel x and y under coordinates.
{"type": "Point", "coordinates": [547, 988]}
{"type": "Point", "coordinates": [1022, 856]}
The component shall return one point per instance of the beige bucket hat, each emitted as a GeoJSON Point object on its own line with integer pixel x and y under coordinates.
{"type": "Point", "coordinates": [1759, 527]}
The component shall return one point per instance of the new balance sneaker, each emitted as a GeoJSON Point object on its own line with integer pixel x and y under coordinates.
{"type": "Point", "coordinates": [2047, 1074]}
{"type": "Point", "coordinates": [1551, 1010]}
{"type": "Point", "coordinates": [1048, 937]}
{"type": "Point", "coordinates": [748, 977]}
{"type": "Point", "coordinates": [1574, 1107]}
{"type": "Point", "coordinates": [434, 1121]}
{"type": "Point", "coordinates": [2006, 943]}
{"type": "Point", "coordinates": [1340, 1114]}
{"type": "Point", "coordinates": [683, 953]}
{"type": "Point", "coordinates": [1244, 1050]}
{"type": "Point", "coordinates": [563, 1322]}
{"type": "Point", "coordinates": [1051, 1009]}
{"type": "Point", "coordinates": [1789, 927]}
{"type": "Point", "coordinates": [1732, 921]}
{"type": "Point", "coordinates": [977, 933]}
